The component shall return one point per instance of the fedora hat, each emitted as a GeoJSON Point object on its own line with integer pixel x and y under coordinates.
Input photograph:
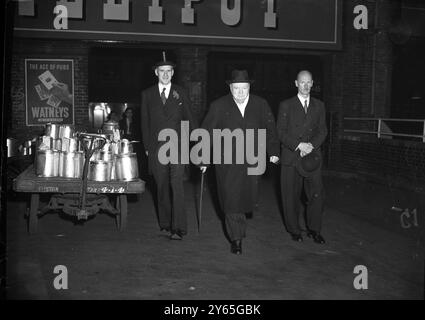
{"type": "Point", "coordinates": [164, 62]}
{"type": "Point", "coordinates": [309, 164]}
{"type": "Point", "coordinates": [239, 76]}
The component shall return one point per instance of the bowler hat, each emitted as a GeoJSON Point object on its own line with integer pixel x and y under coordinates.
{"type": "Point", "coordinates": [164, 62]}
{"type": "Point", "coordinates": [309, 164]}
{"type": "Point", "coordinates": [239, 76]}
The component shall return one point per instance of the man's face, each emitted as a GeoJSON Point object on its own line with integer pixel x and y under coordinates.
{"type": "Point", "coordinates": [240, 91]}
{"type": "Point", "coordinates": [304, 83]}
{"type": "Point", "coordinates": [164, 74]}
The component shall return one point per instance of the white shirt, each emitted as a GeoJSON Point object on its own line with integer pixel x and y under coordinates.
{"type": "Point", "coordinates": [302, 99]}
{"type": "Point", "coordinates": [242, 106]}
{"type": "Point", "coordinates": [167, 89]}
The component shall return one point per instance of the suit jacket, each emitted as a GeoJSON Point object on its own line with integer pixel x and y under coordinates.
{"type": "Point", "coordinates": [295, 126]}
{"type": "Point", "coordinates": [156, 116]}
{"type": "Point", "coordinates": [237, 190]}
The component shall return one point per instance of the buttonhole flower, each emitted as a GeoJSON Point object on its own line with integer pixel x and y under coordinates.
{"type": "Point", "coordinates": [176, 95]}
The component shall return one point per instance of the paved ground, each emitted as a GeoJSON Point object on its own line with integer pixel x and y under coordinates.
{"type": "Point", "coordinates": [140, 263]}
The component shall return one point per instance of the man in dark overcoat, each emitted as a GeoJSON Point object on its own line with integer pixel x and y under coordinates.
{"type": "Point", "coordinates": [164, 106]}
{"type": "Point", "coordinates": [301, 126]}
{"type": "Point", "coordinates": [240, 112]}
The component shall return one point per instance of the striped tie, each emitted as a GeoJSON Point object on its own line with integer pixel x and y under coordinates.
{"type": "Point", "coordinates": [163, 97]}
{"type": "Point", "coordinates": [305, 106]}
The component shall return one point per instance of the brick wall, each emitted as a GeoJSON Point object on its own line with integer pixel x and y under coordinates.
{"type": "Point", "coordinates": [361, 73]}
{"type": "Point", "coordinates": [43, 49]}
{"type": "Point", "coordinates": [393, 162]}
{"type": "Point", "coordinates": [359, 85]}
{"type": "Point", "coordinates": [192, 64]}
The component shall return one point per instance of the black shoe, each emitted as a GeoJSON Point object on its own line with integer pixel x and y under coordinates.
{"type": "Point", "coordinates": [177, 235]}
{"type": "Point", "coordinates": [165, 232]}
{"type": "Point", "coordinates": [316, 237]}
{"type": "Point", "coordinates": [236, 247]}
{"type": "Point", "coordinates": [297, 237]}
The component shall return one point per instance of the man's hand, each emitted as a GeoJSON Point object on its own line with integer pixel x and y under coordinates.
{"type": "Point", "coordinates": [305, 148]}
{"type": "Point", "coordinates": [147, 153]}
{"type": "Point", "coordinates": [274, 159]}
{"type": "Point", "coordinates": [61, 91]}
{"type": "Point", "coordinates": [203, 169]}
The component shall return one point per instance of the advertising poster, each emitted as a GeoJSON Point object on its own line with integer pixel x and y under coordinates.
{"type": "Point", "coordinates": [49, 91]}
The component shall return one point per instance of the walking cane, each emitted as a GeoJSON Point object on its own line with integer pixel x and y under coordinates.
{"type": "Point", "coordinates": [200, 201]}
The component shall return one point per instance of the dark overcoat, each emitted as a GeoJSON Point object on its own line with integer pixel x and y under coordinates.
{"type": "Point", "coordinates": [237, 190]}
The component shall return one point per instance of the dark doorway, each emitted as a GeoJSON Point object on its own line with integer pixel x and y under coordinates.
{"type": "Point", "coordinates": [409, 68]}
{"type": "Point", "coordinates": [408, 94]}
{"type": "Point", "coordinates": [274, 74]}
{"type": "Point", "coordinates": [120, 74]}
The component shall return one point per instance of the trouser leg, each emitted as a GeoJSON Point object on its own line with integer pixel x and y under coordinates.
{"type": "Point", "coordinates": [314, 192]}
{"type": "Point", "coordinates": [162, 181]}
{"type": "Point", "coordinates": [291, 187]}
{"type": "Point", "coordinates": [235, 225]}
{"type": "Point", "coordinates": [179, 218]}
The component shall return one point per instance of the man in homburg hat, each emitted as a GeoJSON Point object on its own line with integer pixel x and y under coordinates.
{"type": "Point", "coordinates": [164, 106]}
{"type": "Point", "coordinates": [237, 189]}
{"type": "Point", "coordinates": [301, 126]}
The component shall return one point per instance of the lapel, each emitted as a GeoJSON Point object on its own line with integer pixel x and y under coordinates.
{"type": "Point", "coordinates": [310, 112]}
{"type": "Point", "coordinates": [157, 106]}
{"type": "Point", "coordinates": [299, 115]}
{"type": "Point", "coordinates": [249, 108]}
{"type": "Point", "coordinates": [170, 106]}
{"type": "Point", "coordinates": [235, 112]}
{"type": "Point", "coordinates": [300, 106]}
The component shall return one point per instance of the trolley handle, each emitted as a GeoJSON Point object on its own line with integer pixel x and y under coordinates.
{"type": "Point", "coordinates": [88, 152]}
{"type": "Point", "coordinates": [92, 136]}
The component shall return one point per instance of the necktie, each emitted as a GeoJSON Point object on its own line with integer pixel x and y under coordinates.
{"type": "Point", "coordinates": [163, 97]}
{"type": "Point", "coordinates": [305, 106]}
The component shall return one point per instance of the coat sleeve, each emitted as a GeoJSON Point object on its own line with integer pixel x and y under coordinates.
{"type": "Point", "coordinates": [187, 111]}
{"type": "Point", "coordinates": [320, 137]}
{"type": "Point", "coordinates": [211, 122]}
{"type": "Point", "coordinates": [286, 138]}
{"type": "Point", "coordinates": [271, 136]}
{"type": "Point", "coordinates": [144, 113]}
{"type": "Point", "coordinates": [211, 119]}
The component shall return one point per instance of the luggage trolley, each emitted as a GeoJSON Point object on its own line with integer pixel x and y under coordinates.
{"type": "Point", "coordinates": [77, 197]}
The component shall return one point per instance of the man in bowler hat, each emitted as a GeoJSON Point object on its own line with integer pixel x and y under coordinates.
{"type": "Point", "coordinates": [164, 106]}
{"type": "Point", "coordinates": [301, 126]}
{"type": "Point", "coordinates": [237, 190]}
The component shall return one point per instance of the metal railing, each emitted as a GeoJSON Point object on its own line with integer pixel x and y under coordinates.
{"type": "Point", "coordinates": [379, 131]}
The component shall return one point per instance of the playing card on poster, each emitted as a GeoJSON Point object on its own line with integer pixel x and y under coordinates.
{"type": "Point", "coordinates": [48, 79]}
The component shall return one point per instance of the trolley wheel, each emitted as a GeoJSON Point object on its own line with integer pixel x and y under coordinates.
{"type": "Point", "coordinates": [33, 214]}
{"type": "Point", "coordinates": [121, 217]}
